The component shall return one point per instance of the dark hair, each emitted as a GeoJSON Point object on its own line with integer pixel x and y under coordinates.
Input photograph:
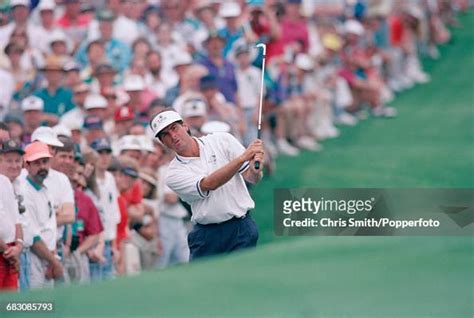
{"type": "Point", "coordinates": [68, 144]}
{"type": "Point", "coordinates": [4, 126]}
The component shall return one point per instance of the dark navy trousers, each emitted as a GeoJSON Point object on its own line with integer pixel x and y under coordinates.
{"type": "Point", "coordinates": [213, 239]}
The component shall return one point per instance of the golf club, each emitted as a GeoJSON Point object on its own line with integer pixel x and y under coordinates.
{"type": "Point", "coordinates": [259, 125]}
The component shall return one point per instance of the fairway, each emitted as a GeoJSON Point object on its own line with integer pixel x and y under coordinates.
{"type": "Point", "coordinates": [429, 145]}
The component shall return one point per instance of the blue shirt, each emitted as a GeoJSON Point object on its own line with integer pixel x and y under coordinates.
{"type": "Point", "coordinates": [118, 53]}
{"type": "Point", "coordinates": [225, 76]}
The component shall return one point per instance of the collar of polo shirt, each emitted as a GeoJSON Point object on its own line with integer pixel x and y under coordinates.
{"type": "Point", "coordinates": [163, 120]}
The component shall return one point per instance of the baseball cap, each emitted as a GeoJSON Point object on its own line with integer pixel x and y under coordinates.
{"type": "Point", "coordinates": [14, 3]}
{"type": "Point", "coordinates": [129, 171]}
{"type": "Point", "coordinates": [163, 120]}
{"type": "Point", "coordinates": [95, 101]}
{"type": "Point", "coordinates": [354, 27]}
{"type": "Point", "coordinates": [92, 122]}
{"type": "Point", "coordinates": [104, 68]}
{"type": "Point", "coordinates": [215, 126]}
{"type": "Point", "coordinates": [130, 142]}
{"type": "Point", "coordinates": [32, 103]}
{"type": "Point", "coordinates": [133, 83]}
{"type": "Point", "coordinates": [46, 135]}
{"type": "Point", "coordinates": [182, 58]}
{"type": "Point", "coordinates": [105, 15]}
{"type": "Point", "coordinates": [36, 150]}
{"type": "Point", "coordinates": [45, 5]}
{"type": "Point", "coordinates": [146, 143]}
{"type": "Point", "coordinates": [193, 108]}
{"type": "Point", "coordinates": [229, 10]}
{"type": "Point", "coordinates": [11, 146]}
{"type": "Point", "coordinates": [124, 113]}
{"type": "Point", "coordinates": [101, 144]}
{"type": "Point", "coordinates": [62, 130]}
{"type": "Point", "coordinates": [214, 35]}
{"type": "Point", "coordinates": [57, 36]}
{"type": "Point", "coordinates": [332, 41]}
{"type": "Point", "coordinates": [71, 66]}
{"type": "Point", "coordinates": [208, 82]}
{"type": "Point", "coordinates": [304, 62]}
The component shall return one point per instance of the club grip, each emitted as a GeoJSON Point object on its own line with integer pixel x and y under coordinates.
{"type": "Point", "coordinates": [257, 165]}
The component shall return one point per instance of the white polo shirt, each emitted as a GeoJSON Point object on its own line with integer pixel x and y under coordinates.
{"type": "Point", "coordinates": [29, 230]}
{"type": "Point", "coordinates": [108, 201]}
{"type": "Point", "coordinates": [185, 173]}
{"type": "Point", "coordinates": [39, 203]}
{"type": "Point", "coordinates": [60, 187]}
{"type": "Point", "coordinates": [9, 215]}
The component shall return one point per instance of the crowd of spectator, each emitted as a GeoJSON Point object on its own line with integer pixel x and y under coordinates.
{"type": "Point", "coordinates": [82, 191]}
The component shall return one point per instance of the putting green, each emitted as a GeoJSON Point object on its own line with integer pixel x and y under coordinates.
{"type": "Point", "coordinates": [430, 144]}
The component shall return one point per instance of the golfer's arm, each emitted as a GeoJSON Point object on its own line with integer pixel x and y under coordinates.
{"type": "Point", "coordinates": [66, 214]}
{"type": "Point", "coordinates": [221, 176]}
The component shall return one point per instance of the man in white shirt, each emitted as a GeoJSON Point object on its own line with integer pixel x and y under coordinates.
{"type": "Point", "coordinates": [11, 236]}
{"type": "Point", "coordinates": [209, 173]}
{"type": "Point", "coordinates": [39, 203]}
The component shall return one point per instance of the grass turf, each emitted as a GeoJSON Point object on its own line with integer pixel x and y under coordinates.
{"type": "Point", "coordinates": [428, 145]}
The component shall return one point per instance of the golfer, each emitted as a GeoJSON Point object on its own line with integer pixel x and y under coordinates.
{"type": "Point", "coordinates": [209, 173]}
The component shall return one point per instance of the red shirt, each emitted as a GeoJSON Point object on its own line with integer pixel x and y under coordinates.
{"type": "Point", "coordinates": [396, 30]}
{"type": "Point", "coordinates": [122, 227]}
{"type": "Point", "coordinates": [135, 194]}
{"type": "Point", "coordinates": [88, 215]}
{"type": "Point", "coordinates": [82, 21]}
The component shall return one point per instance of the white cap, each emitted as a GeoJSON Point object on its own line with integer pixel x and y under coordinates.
{"type": "Point", "coordinates": [183, 58]}
{"type": "Point", "coordinates": [73, 122]}
{"type": "Point", "coordinates": [194, 107]}
{"type": "Point", "coordinates": [130, 142]}
{"type": "Point", "coordinates": [163, 120]}
{"type": "Point", "coordinates": [147, 143]}
{"type": "Point", "coordinates": [354, 27]}
{"type": "Point", "coordinates": [62, 130]}
{"type": "Point", "coordinates": [95, 101]}
{"type": "Point", "coordinates": [133, 83]}
{"type": "Point", "coordinates": [47, 136]}
{"type": "Point", "coordinates": [46, 5]}
{"type": "Point", "coordinates": [229, 10]}
{"type": "Point", "coordinates": [14, 3]}
{"type": "Point", "coordinates": [215, 126]}
{"type": "Point", "coordinates": [57, 36]}
{"type": "Point", "coordinates": [304, 62]}
{"type": "Point", "coordinates": [32, 103]}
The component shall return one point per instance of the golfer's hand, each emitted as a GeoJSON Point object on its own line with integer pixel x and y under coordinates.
{"type": "Point", "coordinates": [254, 148]}
{"type": "Point", "coordinates": [260, 157]}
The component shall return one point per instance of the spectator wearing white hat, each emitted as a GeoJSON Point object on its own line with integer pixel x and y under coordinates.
{"type": "Point", "coordinates": [95, 105]}
{"type": "Point", "coordinates": [194, 112]}
{"type": "Point", "coordinates": [75, 117]}
{"type": "Point", "coordinates": [234, 30]}
{"type": "Point", "coordinates": [32, 108]}
{"type": "Point", "coordinates": [20, 13]}
{"type": "Point", "coordinates": [140, 96]}
{"type": "Point", "coordinates": [46, 10]}
{"type": "Point", "coordinates": [130, 146]}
